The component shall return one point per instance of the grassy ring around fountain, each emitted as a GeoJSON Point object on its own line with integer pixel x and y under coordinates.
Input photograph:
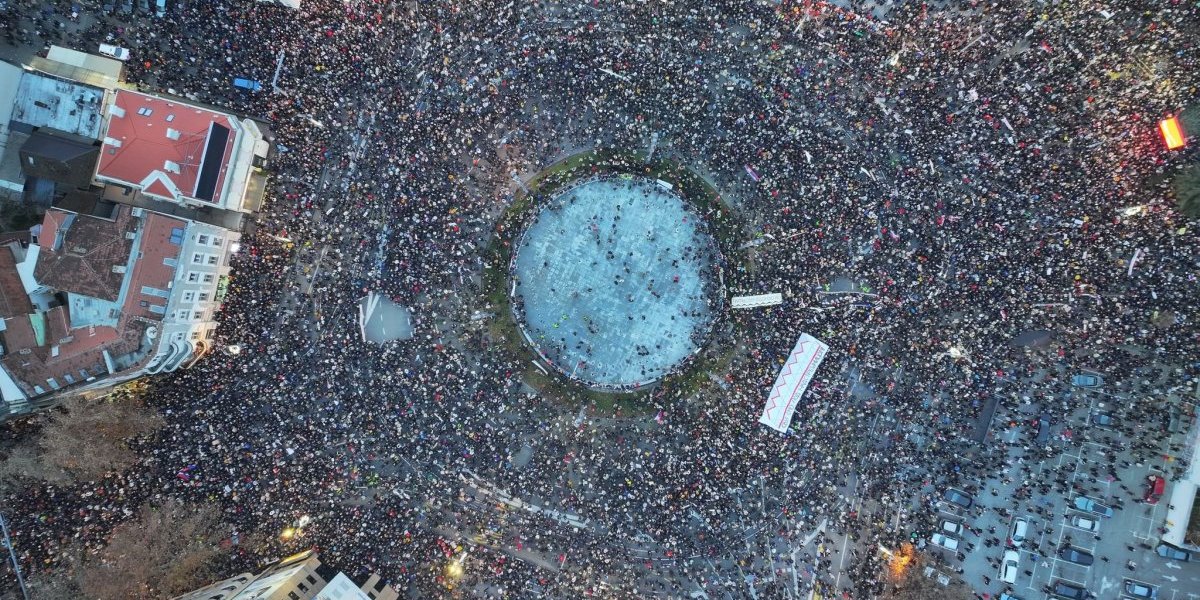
{"type": "Point", "coordinates": [505, 329]}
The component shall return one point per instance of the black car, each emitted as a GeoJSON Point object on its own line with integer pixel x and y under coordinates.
{"type": "Point", "coordinates": [954, 496]}
{"type": "Point", "coordinates": [1105, 420]}
{"type": "Point", "coordinates": [1076, 555]}
{"type": "Point", "coordinates": [1070, 591]}
{"type": "Point", "coordinates": [1043, 429]}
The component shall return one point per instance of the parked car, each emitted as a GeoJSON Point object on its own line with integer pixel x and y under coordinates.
{"type": "Point", "coordinates": [1076, 555]}
{"type": "Point", "coordinates": [1007, 596]}
{"type": "Point", "coordinates": [1043, 429]}
{"type": "Point", "coordinates": [1009, 566]}
{"type": "Point", "coordinates": [1173, 553]}
{"type": "Point", "coordinates": [1091, 505]}
{"type": "Point", "coordinates": [1137, 589]}
{"type": "Point", "coordinates": [1020, 531]}
{"type": "Point", "coordinates": [1070, 591]}
{"type": "Point", "coordinates": [945, 541]}
{"type": "Point", "coordinates": [116, 52]}
{"type": "Point", "coordinates": [160, 8]}
{"type": "Point", "coordinates": [1087, 380]}
{"type": "Point", "coordinates": [247, 84]}
{"type": "Point", "coordinates": [960, 498]}
{"type": "Point", "coordinates": [1085, 523]}
{"type": "Point", "coordinates": [1106, 420]}
{"type": "Point", "coordinates": [952, 528]}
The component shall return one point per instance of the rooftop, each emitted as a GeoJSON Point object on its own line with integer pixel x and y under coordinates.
{"type": "Point", "coordinates": [170, 150]}
{"type": "Point", "coordinates": [44, 101]}
{"type": "Point", "coordinates": [83, 254]}
{"type": "Point", "coordinates": [13, 299]}
{"type": "Point", "coordinates": [118, 274]}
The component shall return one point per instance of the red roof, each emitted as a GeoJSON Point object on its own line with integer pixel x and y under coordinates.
{"type": "Point", "coordinates": [85, 254]}
{"type": "Point", "coordinates": [150, 270]}
{"type": "Point", "coordinates": [150, 138]}
{"type": "Point", "coordinates": [13, 299]}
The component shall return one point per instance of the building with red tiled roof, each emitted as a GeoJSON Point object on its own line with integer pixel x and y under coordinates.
{"type": "Point", "coordinates": [101, 317]}
{"type": "Point", "coordinates": [84, 254]}
{"type": "Point", "coordinates": [13, 298]}
{"type": "Point", "coordinates": [179, 152]}
{"type": "Point", "coordinates": [126, 274]}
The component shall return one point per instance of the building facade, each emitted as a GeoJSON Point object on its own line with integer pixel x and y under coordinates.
{"type": "Point", "coordinates": [146, 198]}
{"type": "Point", "coordinates": [298, 577]}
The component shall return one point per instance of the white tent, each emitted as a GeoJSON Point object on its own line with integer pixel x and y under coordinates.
{"type": "Point", "coordinates": [793, 379]}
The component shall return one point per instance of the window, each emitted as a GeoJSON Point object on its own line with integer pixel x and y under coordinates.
{"type": "Point", "coordinates": [145, 112]}
{"type": "Point", "coordinates": [217, 241]}
{"type": "Point", "coordinates": [198, 315]}
{"type": "Point", "coordinates": [203, 297]}
{"type": "Point", "coordinates": [144, 304]}
{"type": "Point", "coordinates": [193, 277]}
{"type": "Point", "coordinates": [202, 239]}
{"type": "Point", "coordinates": [189, 296]}
{"type": "Point", "coordinates": [302, 587]}
{"type": "Point", "coordinates": [197, 258]}
{"type": "Point", "coordinates": [208, 278]}
{"type": "Point", "coordinates": [176, 235]}
{"type": "Point", "coordinates": [153, 291]}
{"type": "Point", "coordinates": [195, 335]}
{"type": "Point", "coordinates": [293, 596]}
{"type": "Point", "coordinates": [311, 579]}
{"type": "Point", "coordinates": [212, 259]}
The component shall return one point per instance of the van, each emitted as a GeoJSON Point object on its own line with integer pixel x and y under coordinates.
{"type": "Point", "coordinates": [1043, 430]}
{"type": "Point", "coordinates": [945, 541]}
{"type": "Point", "coordinates": [1019, 532]}
{"type": "Point", "coordinates": [1009, 566]}
{"type": "Point", "coordinates": [952, 528]}
{"type": "Point", "coordinates": [116, 52]}
{"type": "Point", "coordinates": [160, 8]}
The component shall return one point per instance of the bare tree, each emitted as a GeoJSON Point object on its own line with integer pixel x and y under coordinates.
{"type": "Point", "coordinates": [88, 438]}
{"type": "Point", "coordinates": [24, 462]}
{"type": "Point", "coordinates": [164, 551]}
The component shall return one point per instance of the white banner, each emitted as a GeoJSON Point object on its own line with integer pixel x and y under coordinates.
{"type": "Point", "coordinates": [757, 301]}
{"type": "Point", "coordinates": [793, 379]}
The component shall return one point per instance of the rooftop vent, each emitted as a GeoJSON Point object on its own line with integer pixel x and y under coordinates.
{"type": "Point", "coordinates": [171, 166]}
{"type": "Point", "coordinates": [172, 133]}
{"type": "Point", "coordinates": [117, 111]}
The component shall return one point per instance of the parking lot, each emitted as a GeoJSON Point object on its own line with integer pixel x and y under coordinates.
{"type": "Point", "coordinates": [1066, 543]}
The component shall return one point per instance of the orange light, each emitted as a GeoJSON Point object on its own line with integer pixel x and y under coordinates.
{"type": "Point", "coordinates": [1172, 133]}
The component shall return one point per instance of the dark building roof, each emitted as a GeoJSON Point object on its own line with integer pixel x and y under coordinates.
{"type": "Point", "coordinates": [13, 299]}
{"type": "Point", "coordinates": [60, 157]}
{"type": "Point", "coordinates": [83, 254]}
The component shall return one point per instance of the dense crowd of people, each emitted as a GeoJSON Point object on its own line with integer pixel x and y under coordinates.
{"type": "Point", "coordinates": [930, 186]}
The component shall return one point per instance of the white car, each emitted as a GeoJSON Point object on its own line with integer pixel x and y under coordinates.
{"type": "Point", "coordinates": [945, 541]}
{"type": "Point", "coordinates": [952, 528]}
{"type": "Point", "coordinates": [1085, 523]}
{"type": "Point", "coordinates": [1009, 566]}
{"type": "Point", "coordinates": [116, 52]}
{"type": "Point", "coordinates": [1019, 532]}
